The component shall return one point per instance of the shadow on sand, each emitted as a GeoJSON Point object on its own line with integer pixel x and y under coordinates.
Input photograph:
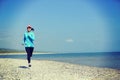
{"type": "Point", "coordinates": [24, 67]}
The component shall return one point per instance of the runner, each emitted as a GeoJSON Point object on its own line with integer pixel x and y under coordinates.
{"type": "Point", "coordinates": [28, 43]}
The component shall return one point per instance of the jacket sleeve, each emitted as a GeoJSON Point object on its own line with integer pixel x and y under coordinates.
{"type": "Point", "coordinates": [24, 38]}
{"type": "Point", "coordinates": [23, 41]}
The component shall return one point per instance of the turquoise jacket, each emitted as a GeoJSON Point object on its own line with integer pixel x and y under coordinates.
{"type": "Point", "coordinates": [29, 37]}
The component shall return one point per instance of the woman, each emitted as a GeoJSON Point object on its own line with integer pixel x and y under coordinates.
{"type": "Point", "coordinates": [28, 42]}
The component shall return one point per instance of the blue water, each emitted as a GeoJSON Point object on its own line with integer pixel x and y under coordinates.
{"type": "Point", "coordinates": [106, 60]}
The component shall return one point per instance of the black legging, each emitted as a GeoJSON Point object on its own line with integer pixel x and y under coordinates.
{"type": "Point", "coordinates": [29, 51]}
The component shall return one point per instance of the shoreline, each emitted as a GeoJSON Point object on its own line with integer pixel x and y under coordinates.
{"type": "Point", "coordinates": [16, 69]}
{"type": "Point", "coordinates": [21, 53]}
{"type": "Point", "coordinates": [101, 62]}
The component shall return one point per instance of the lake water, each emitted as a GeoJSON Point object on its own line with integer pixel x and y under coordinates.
{"type": "Point", "coordinates": [105, 59]}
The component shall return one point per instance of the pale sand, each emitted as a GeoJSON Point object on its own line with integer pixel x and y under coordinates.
{"type": "Point", "coordinates": [16, 69]}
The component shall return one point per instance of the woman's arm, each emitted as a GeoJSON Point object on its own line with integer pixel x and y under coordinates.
{"type": "Point", "coordinates": [31, 37]}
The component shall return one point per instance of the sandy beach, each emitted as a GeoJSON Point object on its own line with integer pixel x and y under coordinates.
{"type": "Point", "coordinates": [17, 69]}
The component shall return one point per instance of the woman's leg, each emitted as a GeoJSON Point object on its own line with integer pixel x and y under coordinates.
{"type": "Point", "coordinates": [31, 51]}
{"type": "Point", "coordinates": [28, 53]}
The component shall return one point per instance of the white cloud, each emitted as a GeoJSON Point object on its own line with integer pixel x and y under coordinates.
{"type": "Point", "coordinates": [69, 40]}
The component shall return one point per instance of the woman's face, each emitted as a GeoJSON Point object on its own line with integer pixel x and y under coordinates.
{"type": "Point", "coordinates": [28, 29]}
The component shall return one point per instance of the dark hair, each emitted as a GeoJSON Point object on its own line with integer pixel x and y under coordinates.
{"type": "Point", "coordinates": [32, 29]}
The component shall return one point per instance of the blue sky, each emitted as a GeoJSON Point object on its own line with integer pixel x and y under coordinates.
{"type": "Point", "coordinates": [62, 25]}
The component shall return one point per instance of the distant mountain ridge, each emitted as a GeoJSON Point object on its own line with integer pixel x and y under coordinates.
{"type": "Point", "coordinates": [6, 50]}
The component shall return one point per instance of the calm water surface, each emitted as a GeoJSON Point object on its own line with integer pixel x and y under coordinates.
{"type": "Point", "coordinates": [108, 60]}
